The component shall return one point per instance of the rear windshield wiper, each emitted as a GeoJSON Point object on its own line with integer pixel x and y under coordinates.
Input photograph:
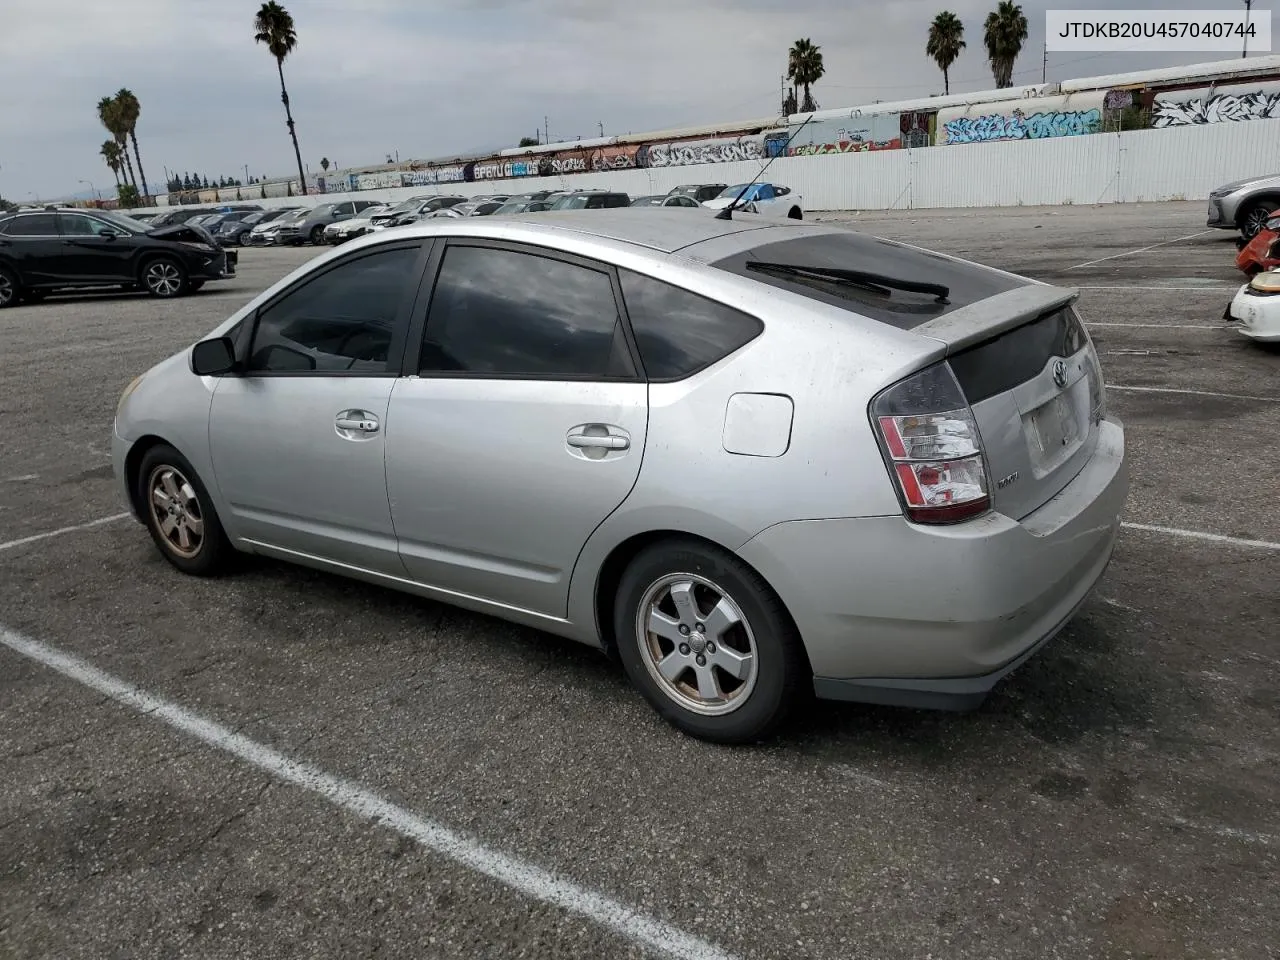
{"type": "Point", "coordinates": [876, 282]}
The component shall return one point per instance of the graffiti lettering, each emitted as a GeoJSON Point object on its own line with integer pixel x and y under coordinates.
{"type": "Point", "coordinates": [845, 146]}
{"type": "Point", "coordinates": [1017, 126]}
{"type": "Point", "coordinates": [704, 151]}
{"type": "Point", "coordinates": [1223, 108]}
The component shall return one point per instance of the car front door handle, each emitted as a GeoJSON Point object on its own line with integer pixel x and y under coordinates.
{"type": "Point", "coordinates": [584, 440]}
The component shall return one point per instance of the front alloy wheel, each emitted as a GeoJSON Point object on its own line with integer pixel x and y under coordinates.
{"type": "Point", "coordinates": [163, 278]}
{"type": "Point", "coordinates": [175, 511]}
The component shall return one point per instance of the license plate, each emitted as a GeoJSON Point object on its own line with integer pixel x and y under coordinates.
{"type": "Point", "coordinates": [1054, 425]}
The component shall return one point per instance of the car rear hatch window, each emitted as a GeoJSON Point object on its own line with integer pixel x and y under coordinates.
{"type": "Point", "coordinates": [844, 250]}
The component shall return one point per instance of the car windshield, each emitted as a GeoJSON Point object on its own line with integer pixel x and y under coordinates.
{"type": "Point", "coordinates": [323, 210]}
{"type": "Point", "coordinates": [513, 206]}
{"type": "Point", "coordinates": [123, 222]}
{"type": "Point", "coordinates": [255, 217]}
{"type": "Point", "coordinates": [571, 202]}
{"type": "Point", "coordinates": [413, 203]}
{"type": "Point", "coordinates": [729, 193]}
{"type": "Point", "coordinates": [300, 214]}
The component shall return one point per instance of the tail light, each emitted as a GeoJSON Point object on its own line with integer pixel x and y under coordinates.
{"type": "Point", "coordinates": [932, 446]}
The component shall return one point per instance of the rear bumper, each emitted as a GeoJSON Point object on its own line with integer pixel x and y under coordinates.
{"type": "Point", "coordinates": [895, 612]}
{"type": "Point", "coordinates": [221, 266]}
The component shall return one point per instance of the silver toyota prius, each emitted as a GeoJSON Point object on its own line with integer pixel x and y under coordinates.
{"type": "Point", "coordinates": [753, 460]}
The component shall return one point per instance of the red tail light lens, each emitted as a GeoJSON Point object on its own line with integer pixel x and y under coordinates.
{"type": "Point", "coordinates": [933, 448]}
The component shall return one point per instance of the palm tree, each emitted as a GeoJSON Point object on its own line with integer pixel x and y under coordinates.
{"type": "Point", "coordinates": [130, 110]}
{"type": "Point", "coordinates": [109, 114]}
{"type": "Point", "coordinates": [946, 40]}
{"type": "Point", "coordinates": [1006, 30]}
{"type": "Point", "coordinates": [111, 153]}
{"type": "Point", "coordinates": [804, 66]}
{"type": "Point", "coordinates": [274, 26]}
{"type": "Point", "coordinates": [324, 164]}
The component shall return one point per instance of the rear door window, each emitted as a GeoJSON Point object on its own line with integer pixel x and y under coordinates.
{"type": "Point", "coordinates": [32, 225]}
{"type": "Point", "coordinates": [498, 312]}
{"type": "Point", "coordinates": [679, 332]}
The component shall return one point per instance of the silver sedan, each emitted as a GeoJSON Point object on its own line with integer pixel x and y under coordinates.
{"type": "Point", "coordinates": [752, 460]}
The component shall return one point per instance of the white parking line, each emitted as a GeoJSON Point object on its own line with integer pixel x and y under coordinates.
{"type": "Point", "coordinates": [1215, 290]}
{"type": "Point", "coordinates": [1198, 535]}
{"type": "Point", "coordinates": [1160, 326]}
{"type": "Point", "coordinates": [1130, 253]}
{"type": "Point", "coordinates": [37, 537]}
{"type": "Point", "coordinates": [523, 877]}
{"type": "Point", "coordinates": [1194, 393]}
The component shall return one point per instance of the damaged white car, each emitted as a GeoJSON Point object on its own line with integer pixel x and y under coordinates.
{"type": "Point", "coordinates": [1256, 307]}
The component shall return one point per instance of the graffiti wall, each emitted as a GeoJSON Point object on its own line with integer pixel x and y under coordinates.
{"type": "Point", "coordinates": [1227, 104]}
{"type": "Point", "coordinates": [1036, 118]}
{"type": "Point", "coordinates": [689, 152]}
{"type": "Point", "coordinates": [614, 158]}
{"type": "Point", "coordinates": [505, 169]}
{"type": "Point", "coordinates": [917, 128]}
{"type": "Point", "coordinates": [383, 180]}
{"type": "Point", "coordinates": [853, 135]}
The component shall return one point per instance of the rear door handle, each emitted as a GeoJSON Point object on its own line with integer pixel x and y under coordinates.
{"type": "Point", "coordinates": [583, 440]}
{"type": "Point", "coordinates": [358, 424]}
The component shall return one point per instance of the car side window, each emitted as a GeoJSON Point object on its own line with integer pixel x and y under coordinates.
{"type": "Point", "coordinates": [32, 225]}
{"type": "Point", "coordinates": [78, 225]}
{"type": "Point", "coordinates": [764, 192]}
{"type": "Point", "coordinates": [503, 313]}
{"type": "Point", "coordinates": [679, 332]}
{"type": "Point", "coordinates": [343, 321]}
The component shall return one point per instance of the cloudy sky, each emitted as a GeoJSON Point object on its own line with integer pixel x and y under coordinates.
{"type": "Point", "coordinates": [425, 78]}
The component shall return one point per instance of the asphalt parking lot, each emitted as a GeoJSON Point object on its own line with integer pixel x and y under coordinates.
{"type": "Point", "coordinates": [1115, 798]}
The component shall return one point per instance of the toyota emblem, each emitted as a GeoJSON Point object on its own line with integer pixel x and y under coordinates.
{"type": "Point", "coordinates": [1060, 373]}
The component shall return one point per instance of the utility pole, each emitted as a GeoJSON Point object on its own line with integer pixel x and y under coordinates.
{"type": "Point", "coordinates": [546, 130]}
{"type": "Point", "coordinates": [1044, 70]}
{"type": "Point", "coordinates": [1248, 10]}
{"type": "Point", "coordinates": [246, 174]}
{"type": "Point", "coordinates": [782, 90]}
{"type": "Point", "coordinates": [601, 125]}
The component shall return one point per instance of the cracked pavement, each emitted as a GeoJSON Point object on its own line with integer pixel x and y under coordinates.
{"type": "Point", "coordinates": [1115, 798]}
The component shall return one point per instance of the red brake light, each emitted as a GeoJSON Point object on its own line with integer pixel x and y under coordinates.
{"type": "Point", "coordinates": [933, 448]}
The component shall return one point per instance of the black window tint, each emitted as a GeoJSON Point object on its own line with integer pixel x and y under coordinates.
{"type": "Point", "coordinates": [679, 332]}
{"type": "Point", "coordinates": [504, 313]}
{"type": "Point", "coordinates": [33, 225]}
{"type": "Point", "coordinates": [343, 320]}
{"type": "Point", "coordinates": [78, 225]}
{"type": "Point", "coordinates": [849, 250]}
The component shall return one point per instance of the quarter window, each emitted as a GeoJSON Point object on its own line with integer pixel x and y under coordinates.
{"type": "Point", "coordinates": [343, 321]}
{"type": "Point", "coordinates": [32, 225]}
{"type": "Point", "coordinates": [503, 313]}
{"type": "Point", "coordinates": [679, 332]}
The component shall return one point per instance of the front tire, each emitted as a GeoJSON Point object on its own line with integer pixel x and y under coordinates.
{"type": "Point", "coordinates": [1255, 217]}
{"type": "Point", "coordinates": [164, 277]}
{"type": "Point", "coordinates": [317, 236]}
{"type": "Point", "coordinates": [179, 514]}
{"type": "Point", "coordinates": [707, 642]}
{"type": "Point", "coordinates": [795, 214]}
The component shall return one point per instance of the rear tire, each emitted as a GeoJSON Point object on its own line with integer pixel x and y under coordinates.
{"type": "Point", "coordinates": [9, 290]}
{"type": "Point", "coordinates": [179, 514]}
{"type": "Point", "coordinates": [795, 214]}
{"type": "Point", "coordinates": [726, 663]}
{"type": "Point", "coordinates": [164, 277]}
{"type": "Point", "coordinates": [317, 235]}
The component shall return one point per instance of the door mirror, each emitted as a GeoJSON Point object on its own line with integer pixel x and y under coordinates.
{"type": "Point", "coordinates": [213, 358]}
{"type": "Point", "coordinates": [107, 234]}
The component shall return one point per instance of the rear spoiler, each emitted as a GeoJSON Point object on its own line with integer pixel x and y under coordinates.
{"type": "Point", "coordinates": [993, 316]}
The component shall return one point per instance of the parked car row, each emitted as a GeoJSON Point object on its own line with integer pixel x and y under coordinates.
{"type": "Point", "coordinates": [339, 221]}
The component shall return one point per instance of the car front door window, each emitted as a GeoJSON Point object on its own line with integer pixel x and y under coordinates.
{"type": "Point", "coordinates": [343, 321]}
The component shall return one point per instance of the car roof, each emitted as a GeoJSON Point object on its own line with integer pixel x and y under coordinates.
{"type": "Point", "coordinates": [665, 229]}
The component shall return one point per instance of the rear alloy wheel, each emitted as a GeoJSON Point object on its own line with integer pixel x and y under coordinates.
{"type": "Point", "coordinates": [317, 235]}
{"type": "Point", "coordinates": [179, 514]}
{"type": "Point", "coordinates": [1256, 217]}
{"type": "Point", "coordinates": [8, 288]}
{"type": "Point", "coordinates": [164, 278]}
{"type": "Point", "coordinates": [708, 642]}
{"type": "Point", "coordinates": [242, 238]}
